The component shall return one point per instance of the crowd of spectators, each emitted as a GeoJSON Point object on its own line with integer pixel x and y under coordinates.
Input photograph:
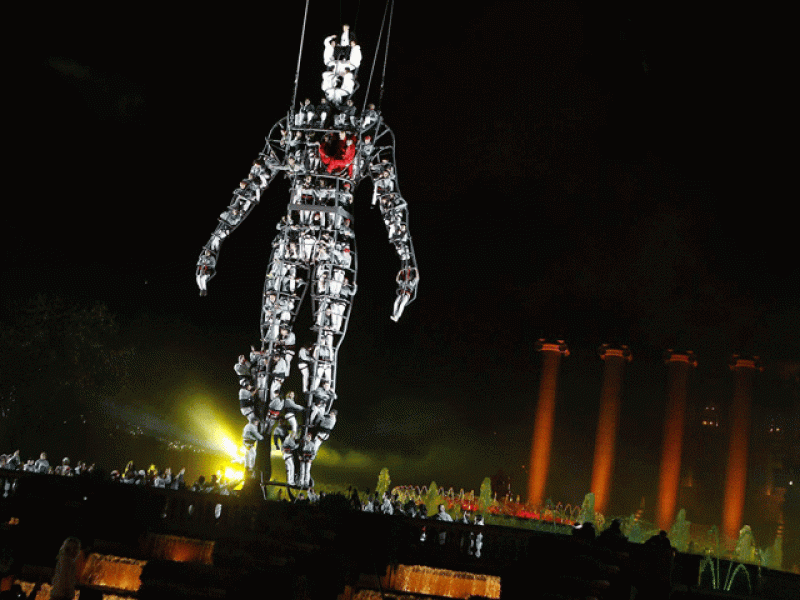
{"type": "Point", "coordinates": [607, 554]}
{"type": "Point", "coordinates": [130, 475]}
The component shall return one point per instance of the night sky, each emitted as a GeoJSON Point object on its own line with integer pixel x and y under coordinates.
{"type": "Point", "coordinates": [593, 172]}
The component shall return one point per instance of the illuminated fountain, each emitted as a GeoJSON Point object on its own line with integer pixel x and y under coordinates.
{"type": "Point", "coordinates": [114, 572]}
{"type": "Point", "coordinates": [441, 582]}
{"type": "Point", "coordinates": [679, 533]}
{"type": "Point", "coordinates": [713, 567]}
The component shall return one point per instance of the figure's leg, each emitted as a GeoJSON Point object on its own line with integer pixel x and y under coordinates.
{"type": "Point", "coordinates": [268, 425]}
{"type": "Point", "coordinates": [275, 386]}
{"type": "Point", "coordinates": [292, 421]}
{"type": "Point", "coordinates": [399, 305]}
{"type": "Point", "coordinates": [337, 315]}
{"type": "Point", "coordinates": [321, 437]}
{"type": "Point", "coordinates": [288, 355]}
{"type": "Point", "coordinates": [278, 437]}
{"type": "Point", "coordinates": [278, 312]}
{"type": "Point", "coordinates": [250, 457]}
{"type": "Point", "coordinates": [317, 411]}
{"type": "Point", "coordinates": [289, 460]}
{"type": "Point", "coordinates": [305, 371]}
{"type": "Point", "coordinates": [301, 480]}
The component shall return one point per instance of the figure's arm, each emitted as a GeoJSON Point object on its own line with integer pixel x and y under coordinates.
{"type": "Point", "coordinates": [393, 206]}
{"type": "Point", "coordinates": [290, 404]}
{"type": "Point", "coordinates": [327, 53]}
{"type": "Point", "coordinates": [241, 205]}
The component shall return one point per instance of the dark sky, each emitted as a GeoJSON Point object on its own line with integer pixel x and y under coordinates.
{"type": "Point", "coordinates": [595, 172]}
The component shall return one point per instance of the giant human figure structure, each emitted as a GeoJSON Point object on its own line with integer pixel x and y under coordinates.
{"type": "Point", "coordinates": [326, 151]}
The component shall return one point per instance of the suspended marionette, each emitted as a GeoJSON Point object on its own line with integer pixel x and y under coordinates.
{"type": "Point", "coordinates": [315, 246]}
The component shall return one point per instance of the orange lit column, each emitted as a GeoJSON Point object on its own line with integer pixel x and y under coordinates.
{"type": "Point", "coordinates": [678, 364]}
{"type": "Point", "coordinates": [605, 441]}
{"type": "Point", "coordinates": [744, 370]}
{"type": "Point", "coordinates": [545, 417]}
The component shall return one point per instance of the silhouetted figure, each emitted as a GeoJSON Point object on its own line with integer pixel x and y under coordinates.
{"type": "Point", "coordinates": [612, 537]}
{"type": "Point", "coordinates": [65, 575]}
{"type": "Point", "coordinates": [584, 532]}
{"type": "Point", "coordinates": [656, 567]}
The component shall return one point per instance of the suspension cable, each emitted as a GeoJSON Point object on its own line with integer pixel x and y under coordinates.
{"type": "Point", "coordinates": [386, 56]}
{"type": "Point", "coordinates": [375, 58]}
{"type": "Point", "coordinates": [355, 22]}
{"type": "Point", "coordinates": [299, 56]}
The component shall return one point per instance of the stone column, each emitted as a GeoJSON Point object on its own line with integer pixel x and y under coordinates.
{"type": "Point", "coordinates": [542, 440]}
{"type": "Point", "coordinates": [605, 442]}
{"type": "Point", "coordinates": [678, 364]}
{"type": "Point", "coordinates": [744, 371]}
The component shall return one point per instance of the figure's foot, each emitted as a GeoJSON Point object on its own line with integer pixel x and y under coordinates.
{"type": "Point", "coordinates": [394, 318]}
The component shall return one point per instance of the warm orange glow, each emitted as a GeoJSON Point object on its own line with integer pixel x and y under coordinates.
{"type": "Point", "coordinates": [738, 447]}
{"type": "Point", "coordinates": [607, 425]}
{"type": "Point", "coordinates": [672, 442]}
{"type": "Point", "coordinates": [103, 570]}
{"type": "Point", "coordinates": [544, 420]}
{"type": "Point", "coordinates": [439, 582]}
{"type": "Point", "coordinates": [180, 549]}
